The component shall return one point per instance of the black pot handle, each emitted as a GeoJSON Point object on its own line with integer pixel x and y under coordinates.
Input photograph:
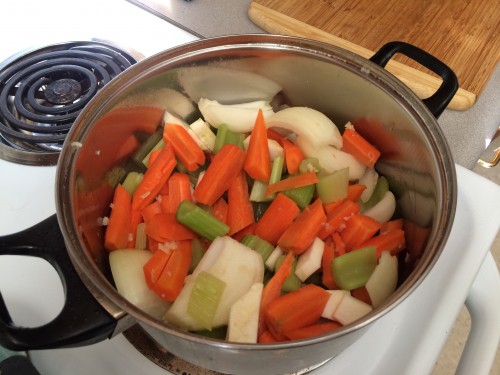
{"type": "Point", "coordinates": [82, 321]}
{"type": "Point", "coordinates": [438, 102]}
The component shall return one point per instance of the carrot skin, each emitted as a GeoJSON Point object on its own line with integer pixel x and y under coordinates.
{"type": "Point", "coordinates": [118, 229]}
{"type": "Point", "coordinates": [258, 161]}
{"type": "Point", "coordinates": [360, 148]}
{"type": "Point", "coordinates": [179, 189]}
{"type": "Point", "coordinates": [337, 217]}
{"type": "Point", "coordinates": [164, 227]}
{"type": "Point", "coordinates": [392, 241]}
{"type": "Point", "coordinates": [326, 266]}
{"type": "Point", "coordinates": [185, 147]}
{"type": "Point", "coordinates": [359, 228]}
{"type": "Point", "coordinates": [292, 182]}
{"type": "Point", "coordinates": [239, 208]}
{"type": "Point", "coordinates": [293, 156]}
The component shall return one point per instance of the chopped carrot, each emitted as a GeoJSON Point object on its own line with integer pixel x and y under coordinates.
{"type": "Point", "coordinates": [301, 233]}
{"type": "Point", "coordinates": [185, 147]}
{"type": "Point", "coordinates": [249, 229]}
{"type": "Point", "coordinates": [154, 178]}
{"type": "Point", "coordinates": [258, 160]}
{"type": "Point", "coordinates": [354, 192]}
{"type": "Point", "coordinates": [278, 216]}
{"type": "Point", "coordinates": [313, 330]}
{"type": "Point", "coordinates": [326, 266]}
{"type": "Point", "coordinates": [170, 281]}
{"type": "Point", "coordinates": [339, 245]}
{"type": "Point", "coordinates": [272, 290]}
{"type": "Point", "coordinates": [362, 294]}
{"type": "Point", "coordinates": [293, 156]}
{"type": "Point", "coordinates": [274, 135]}
{"type": "Point", "coordinates": [179, 189]}
{"type": "Point", "coordinates": [358, 229]}
{"type": "Point", "coordinates": [392, 241]}
{"type": "Point", "coordinates": [337, 218]}
{"type": "Point", "coordinates": [360, 148]}
{"type": "Point", "coordinates": [153, 155]}
{"type": "Point", "coordinates": [239, 207]}
{"type": "Point", "coordinates": [118, 229]}
{"type": "Point", "coordinates": [225, 166]}
{"type": "Point", "coordinates": [391, 225]}
{"type": "Point", "coordinates": [135, 220]}
{"type": "Point", "coordinates": [266, 337]}
{"type": "Point", "coordinates": [292, 182]}
{"type": "Point", "coordinates": [329, 207]}
{"type": "Point", "coordinates": [300, 308]}
{"type": "Point", "coordinates": [219, 210]}
{"type": "Point", "coordinates": [151, 210]}
{"type": "Point", "coordinates": [165, 227]}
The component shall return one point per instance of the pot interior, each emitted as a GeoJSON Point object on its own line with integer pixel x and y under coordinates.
{"type": "Point", "coordinates": [414, 155]}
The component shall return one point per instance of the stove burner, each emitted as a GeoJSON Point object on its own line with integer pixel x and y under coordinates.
{"type": "Point", "coordinates": [42, 93]}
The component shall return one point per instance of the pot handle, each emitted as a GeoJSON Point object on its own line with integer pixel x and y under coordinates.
{"type": "Point", "coordinates": [437, 102]}
{"type": "Point", "coordinates": [82, 321]}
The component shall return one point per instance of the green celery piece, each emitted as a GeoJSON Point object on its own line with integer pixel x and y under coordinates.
{"type": "Point", "coordinates": [258, 244]}
{"type": "Point", "coordinates": [258, 192]}
{"type": "Point", "coordinates": [277, 169]}
{"type": "Point", "coordinates": [204, 299]}
{"type": "Point", "coordinates": [309, 165]}
{"type": "Point", "coordinates": [143, 152]}
{"type": "Point", "coordinates": [200, 221]}
{"type": "Point", "coordinates": [197, 252]}
{"type": "Point", "coordinates": [292, 282]}
{"type": "Point", "coordinates": [302, 196]}
{"type": "Point", "coordinates": [131, 182]}
{"type": "Point", "coordinates": [226, 136]}
{"type": "Point", "coordinates": [157, 146]}
{"type": "Point", "coordinates": [333, 186]}
{"type": "Point", "coordinates": [381, 188]}
{"type": "Point", "coordinates": [353, 269]}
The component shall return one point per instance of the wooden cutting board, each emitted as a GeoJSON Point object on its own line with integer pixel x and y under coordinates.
{"type": "Point", "coordinates": [464, 34]}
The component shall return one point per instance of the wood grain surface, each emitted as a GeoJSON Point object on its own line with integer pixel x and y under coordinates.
{"type": "Point", "coordinates": [464, 34]}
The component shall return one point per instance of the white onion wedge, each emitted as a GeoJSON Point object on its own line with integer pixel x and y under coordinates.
{"type": "Point", "coordinates": [384, 279]}
{"type": "Point", "coordinates": [369, 179]}
{"type": "Point", "coordinates": [384, 209]}
{"type": "Point", "coordinates": [244, 316]}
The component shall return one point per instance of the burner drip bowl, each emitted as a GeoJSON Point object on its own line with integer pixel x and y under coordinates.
{"type": "Point", "coordinates": [42, 93]}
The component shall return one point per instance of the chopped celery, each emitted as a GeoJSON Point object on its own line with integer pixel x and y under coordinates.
{"type": "Point", "coordinates": [381, 188]}
{"type": "Point", "coordinates": [115, 175]}
{"type": "Point", "coordinates": [226, 136]}
{"type": "Point", "coordinates": [309, 165]}
{"type": "Point", "coordinates": [292, 282]}
{"type": "Point", "coordinates": [200, 221]}
{"type": "Point", "coordinates": [258, 192]}
{"type": "Point", "coordinates": [302, 196]}
{"type": "Point", "coordinates": [157, 146]}
{"type": "Point", "coordinates": [131, 182]}
{"type": "Point", "coordinates": [197, 252]}
{"type": "Point", "coordinates": [353, 269]}
{"type": "Point", "coordinates": [204, 299]}
{"type": "Point", "coordinates": [256, 243]}
{"type": "Point", "coordinates": [333, 186]}
{"type": "Point", "coordinates": [277, 169]}
{"type": "Point", "coordinates": [143, 151]}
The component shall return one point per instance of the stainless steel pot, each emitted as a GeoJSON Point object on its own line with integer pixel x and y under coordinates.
{"type": "Point", "coordinates": [346, 87]}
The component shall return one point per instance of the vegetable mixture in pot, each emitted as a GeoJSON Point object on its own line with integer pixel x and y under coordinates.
{"type": "Point", "coordinates": [255, 223]}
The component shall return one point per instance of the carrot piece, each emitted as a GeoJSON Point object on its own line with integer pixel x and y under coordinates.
{"type": "Point", "coordinates": [239, 207]}
{"type": "Point", "coordinates": [313, 330]}
{"type": "Point", "coordinates": [135, 220]}
{"type": "Point", "coordinates": [297, 309]}
{"type": "Point", "coordinates": [258, 160]}
{"type": "Point", "coordinates": [272, 290]}
{"type": "Point", "coordinates": [391, 225]}
{"type": "Point", "coordinates": [274, 135]}
{"type": "Point", "coordinates": [249, 229]}
{"type": "Point", "coordinates": [292, 182]}
{"type": "Point", "coordinates": [179, 189]}
{"type": "Point", "coordinates": [358, 229]}
{"type": "Point", "coordinates": [151, 210]}
{"type": "Point", "coordinates": [153, 155]}
{"type": "Point", "coordinates": [293, 156]}
{"type": "Point", "coordinates": [354, 192]}
{"type": "Point", "coordinates": [154, 267]}
{"type": "Point", "coordinates": [219, 210]}
{"type": "Point", "coordinates": [154, 178]}
{"type": "Point", "coordinates": [301, 233]}
{"type": "Point", "coordinates": [338, 244]}
{"type": "Point", "coordinates": [266, 338]}
{"type": "Point", "coordinates": [225, 166]}
{"type": "Point", "coordinates": [360, 148]}
{"type": "Point", "coordinates": [329, 207]}
{"type": "Point", "coordinates": [326, 265]}
{"type": "Point", "coordinates": [185, 147]}
{"type": "Point", "coordinates": [169, 283]}
{"type": "Point", "coordinates": [165, 227]}
{"type": "Point", "coordinates": [278, 216]}
{"type": "Point", "coordinates": [337, 218]}
{"type": "Point", "coordinates": [118, 229]}
{"type": "Point", "coordinates": [392, 241]}
{"type": "Point", "coordinates": [362, 294]}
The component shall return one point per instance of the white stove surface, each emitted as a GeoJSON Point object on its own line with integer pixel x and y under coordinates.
{"type": "Point", "coordinates": [407, 341]}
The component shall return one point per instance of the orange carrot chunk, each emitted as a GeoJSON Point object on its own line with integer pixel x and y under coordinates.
{"type": "Point", "coordinates": [359, 228]}
{"type": "Point", "coordinates": [239, 207]}
{"type": "Point", "coordinates": [118, 229]}
{"type": "Point", "coordinates": [164, 227]}
{"type": "Point", "coordinates": [278, 216]}
{"type": "Point", "coordinates": [360, 148]}
{"type": "Point", "coordinates": [313, 330]}
{"type": "Point", "coordinates": [185, 147]}
{"type": "Point", "coordinates": [337, 218]}
{"type": "Point", "coordinates": [292, 182]}
{"type": "Point", "coordinates": [391, 225]}
{"type": "Point", "coordinates": [354, 192]}
{"type": "Point", "coordinates": [293, 156]}
{"type": "Point", "coordinates": [179, 189]}
{"type": "Point", "coordinates": [258, 160]}
{"type": "Point", "coordinates": [326, 266]}
{"type": "Point", "coordinates": [301, 233]}
{"type": "Point", "coordinates": [392, 241]}
{"type": "Point", "coordinates": [297, 309]}
{"type": "Point", "coordinates": [225, 166]}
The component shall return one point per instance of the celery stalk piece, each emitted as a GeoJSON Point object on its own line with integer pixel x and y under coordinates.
{"type": "Point", "coordinates": [197, 252]}
{"type": "Point", "coordinates": [332, 187]}
{"type": "Point", "coordinates": [258, 244]}
{"type": "Point", "coordinates": [226, 136]}
{"type": "Point", "coordinates": [302, 196]}
{"type": "Point", "coordinates": [143, 152]}
{"type": "Point", "coordinates": [353, 269]}
{"type": "Point", "coordinates": [258, 192]}
{"type": "Point", "coordinates": [381, 188]}
{"type": "Point", "coordinates": [204, 299]}
{"type": "Point", "coordinates": [309, 165]}
{"type": "Point", "coordinates": [131, 182]}
{"type": "Point", "coordinates": [277, 169]}
{"type": "Point", "coordinates": [115, 176]}
{"type": "Point", "coordinates": [292, 282]}
{"type": "Point", "coordinates": [200, 221]}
